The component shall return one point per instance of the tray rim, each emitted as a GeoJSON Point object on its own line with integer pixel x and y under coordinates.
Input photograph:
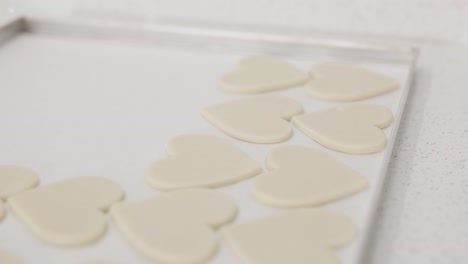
{"type": "Point", "coordinates": [144, 31]}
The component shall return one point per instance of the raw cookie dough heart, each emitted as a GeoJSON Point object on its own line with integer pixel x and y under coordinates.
{"type": "Point", "coordinates": [258, 74]}
{"type": "Point", "coordinates": [176, 227]}
{"type": "Point", "coordinates": [345, 82]}
{"type": "Point", "coordinates": [15, 179]}
{"type": "Point", "coordinates": [8, 258]}
{"type": "Point", "coordinates": [261, 119]}
{"type": "Point", "coordinates": [300, 237]}
{"type": "Point", "coordinates": [197, 160]}
{"type": "Point", "coordinates": [353, 129]}
{"type": "Point", "coordinates": [301, 176]}
{"type": "Point", "coordinates": [69, 212]}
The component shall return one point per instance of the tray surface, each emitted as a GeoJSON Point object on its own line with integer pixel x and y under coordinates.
{"type": "Point", "coordinates": [75, 104]}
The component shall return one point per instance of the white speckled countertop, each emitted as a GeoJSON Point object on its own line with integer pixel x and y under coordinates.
{"type": "Point", "coordinates": [424, 213]}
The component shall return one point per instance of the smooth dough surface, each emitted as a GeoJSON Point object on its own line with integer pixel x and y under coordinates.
{"type": "Point", "coordinates": [336, 81]}
{"type": "Point", "coordinates": [69, 212]}
{"type": "Point", "coordinates": [301, 237]}
{"type": "Point", "coordinates": [8, 258]}
{"type": "Point", "coordinates": [15, 179]}
{"type": "Point", "coordinates": [300, 176]}
{"type": "Point", "coordinates": [176, 227]}
{"type": "Point", "coordinates": [260, 119]}
{"type": "Point", "coordinates": [353, 129]}
{"type": "Point", "coordinates": [197, 160]}
{"type": "Point", "coordinates": [258, 74]}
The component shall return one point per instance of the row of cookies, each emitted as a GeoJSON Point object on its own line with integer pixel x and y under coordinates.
{"type": "Point", "coordinates": [176, 227]}
{"type": "Point", "coordinates": [352, 129]}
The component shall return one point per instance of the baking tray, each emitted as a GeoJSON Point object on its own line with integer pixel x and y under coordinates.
{"type": "Point", "coordinates": [99, 97]}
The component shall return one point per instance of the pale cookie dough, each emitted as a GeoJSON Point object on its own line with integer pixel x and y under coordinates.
{"type": "Point", "coordinates": [353, 129]}
{"type": "Point", "coordinates": [69, 212]}
{"type": "Point", "coordinates": [8, 258]}
{"type": "Point", "coordinates": [336, 81]}
{"type": "Point", "coordinates": [197, 160]}
{"type": "Point", "coordinates": [301, 176]}
{"type": "Point", "coordinates": [15, 179]}
{"type": "Point", "coordinates": [300, 237]}
{"type": "Point", "coordinates": [260, 119]}
{"type": "Point", "coordinates": [258, 74]}
{"type": "Point", "coordinates": [176, 227]}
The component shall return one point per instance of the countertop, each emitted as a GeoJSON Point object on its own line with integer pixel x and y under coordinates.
{"type": "Point", "coordinates": [423, 217]}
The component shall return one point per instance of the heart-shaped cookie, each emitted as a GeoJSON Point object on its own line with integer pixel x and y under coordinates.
{"type": "Point", "coordinates": [336, 81]}
{"type": "Point", "coordinates": [300, 237]}
{"type": "Point", "coordinates": [69, 212]}
{"type": "Point", "coordinates": [176, 227]}
{"type": "Point", "coordinates": [15, 179]}
{"type": "Point", "coordinates": [353, 129]}
{"type": "Point", "coordinates": [8, 258]}
{"type": "Point", "coordinates": [258, 74]}
{"type": "Point", "coordinates": [261, 119]}
{"type": "Point", "coordinates": [197, 160]}
{"type": "Point", "coordinates": [301, 176]}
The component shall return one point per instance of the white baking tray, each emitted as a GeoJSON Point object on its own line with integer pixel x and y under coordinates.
{"type": "Point", "coordinates": [92, 97]}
